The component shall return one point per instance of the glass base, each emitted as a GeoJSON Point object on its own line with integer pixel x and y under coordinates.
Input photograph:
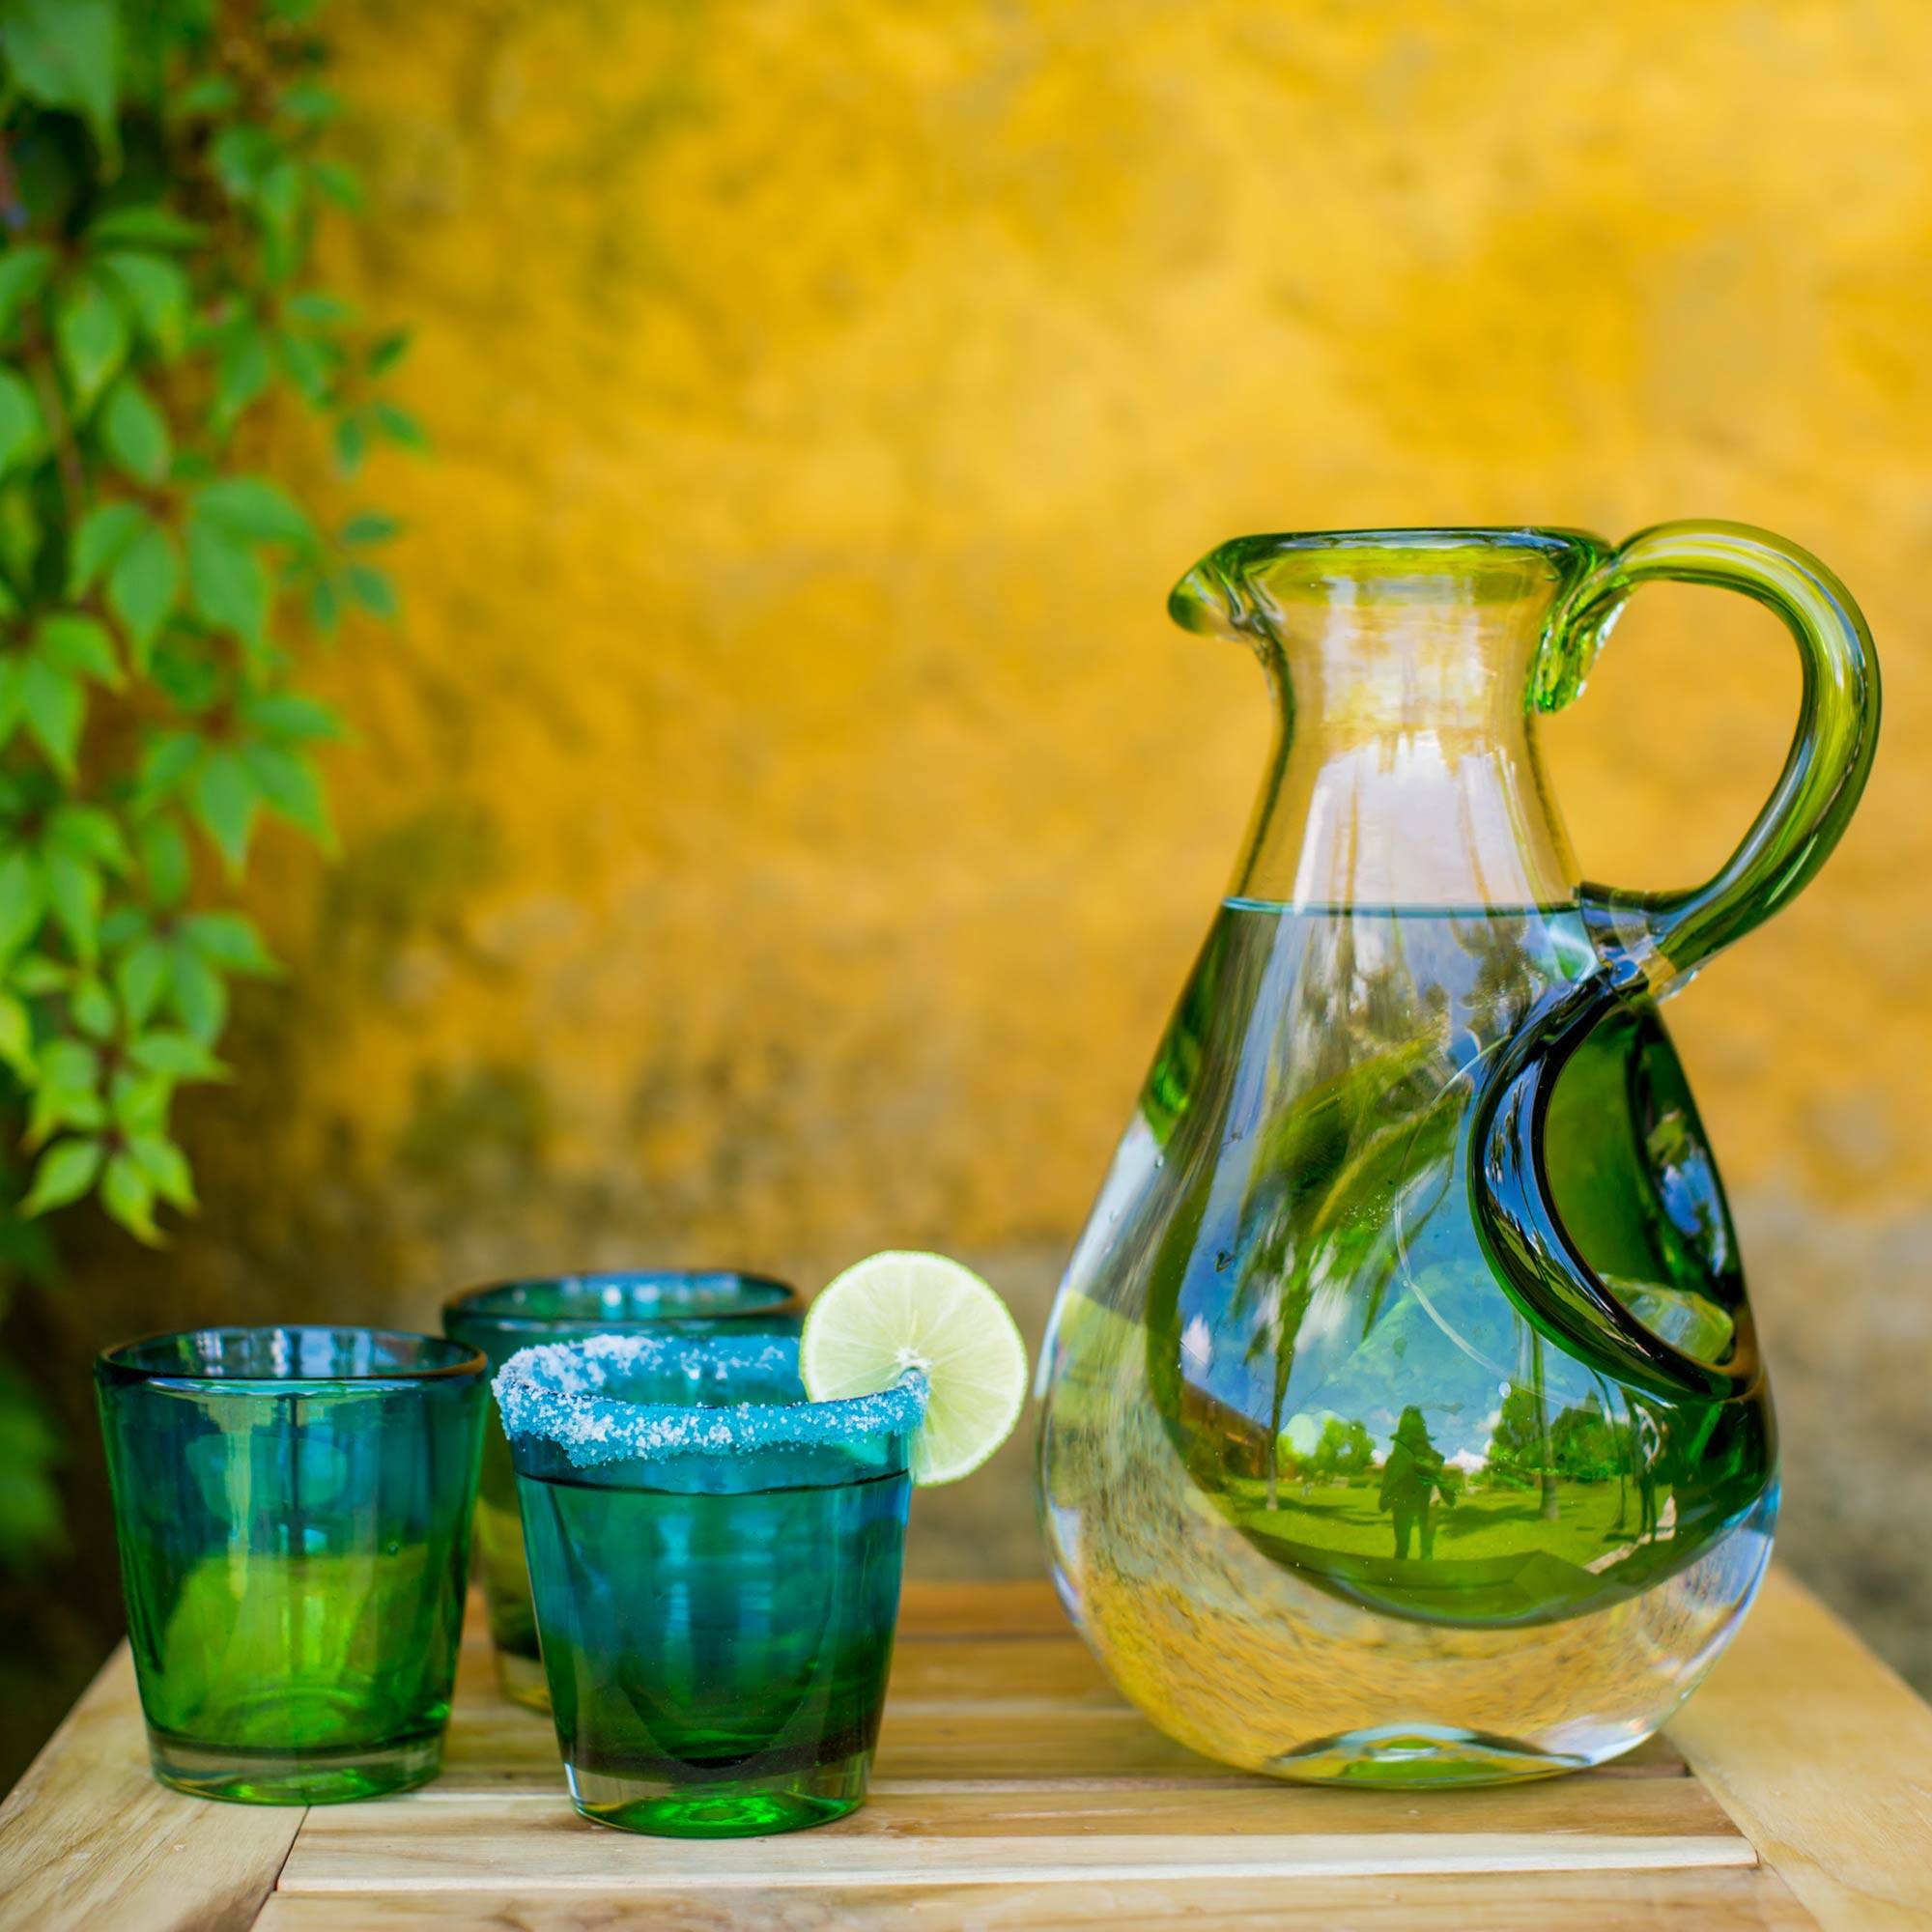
{"type": "Point", "coordinates": [252, 1776]}
{"type": "Point", "coordinates": [721, 1808]}
{"type": "Point", "coordinates": [522, 1679]}
{"type": "Point", "coordinates": [1421, 1757]}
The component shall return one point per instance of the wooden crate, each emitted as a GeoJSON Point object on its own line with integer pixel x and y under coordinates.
{"type": "Point", "coordinates": [1014, 1789]}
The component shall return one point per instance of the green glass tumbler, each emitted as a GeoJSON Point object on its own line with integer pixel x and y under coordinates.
{"type": "Point", "coordinates": [513, 1315]}
{"type": "Point", "coordinates": [293, 1506]}
{"type": "Point", "coordinates": [716, 1563]}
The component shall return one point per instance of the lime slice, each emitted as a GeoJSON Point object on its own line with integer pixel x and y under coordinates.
{"type": "Point", "coordinates": [900, 1310]}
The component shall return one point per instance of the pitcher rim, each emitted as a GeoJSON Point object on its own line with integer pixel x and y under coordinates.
{"type": "Point", "coordinates": [1211, 596]}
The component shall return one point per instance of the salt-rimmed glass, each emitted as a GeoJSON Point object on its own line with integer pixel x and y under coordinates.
{"type": "Point", "coordinates": [512, 1315]}
{"type": "Point", "coordinates": [292, 1508]}
{"type": "Point", "coordinates": [716, 1567]}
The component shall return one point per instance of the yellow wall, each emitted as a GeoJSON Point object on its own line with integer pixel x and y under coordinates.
{"type": "Point", "coordinates": [785, 815]}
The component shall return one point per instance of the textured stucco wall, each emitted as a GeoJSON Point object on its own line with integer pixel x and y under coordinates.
{"type": "Point", "coordinates": [782, 823]}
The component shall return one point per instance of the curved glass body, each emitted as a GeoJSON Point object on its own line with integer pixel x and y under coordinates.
{"type": "Point", "coordinates": [1403, 1420]}
{"type": "Point", "coordinates": [716, 1567]}
{"type": "Point", "coordinates": [292, 1508]}
{"type": "Point", "coordinates": [512, 1315]}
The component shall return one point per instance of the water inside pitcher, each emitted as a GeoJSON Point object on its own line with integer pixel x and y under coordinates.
{"type": "Point", "coordinates": [1403, 1418]}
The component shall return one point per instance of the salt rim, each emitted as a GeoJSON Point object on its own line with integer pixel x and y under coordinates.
{"type": "Point", "coordinates": [554, 1391]}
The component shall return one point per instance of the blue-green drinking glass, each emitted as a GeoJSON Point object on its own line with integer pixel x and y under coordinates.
{"type": "Point", "coordinates": [715, 1565]}
{"type": "Point", "coordinates": [512, 1315]}
{"type": "Point", "coordinates": [293, 1506]}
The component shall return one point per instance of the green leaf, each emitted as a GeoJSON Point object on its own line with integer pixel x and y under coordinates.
{"type": "Point", "coordinates": [372, 589]}
{"type": "Point", "coordinates": [352, 444]}
{"type": "Point", "coordinates": [92, 337]}
{"type": "Point", "coordinates": [21, 533]}
{"type": "Point", "coordinates": [230, 940]}
{"type": "Point", "coordinates": [371, 527]}
{"type": "Point", "coordinates": [241, 371]}
{"type": "Point", "coordinates": [307, 102]}
{"type": "Point", "coordinates": [200, 995]}
{"type": "Point", "coordinates": [74, 893]}
{"type": "Point", "coordinates": [319, 309]}
{"type": "Point", "coordinates": [134, 433]}
{"type": "Point", "coordinates": [102, 536]}
{"type": "Point", "coordinates": [71, 1063]}
{"type": "Point", "coordinates": [128, 1196]}
{"type": "Point", "coordinates": [16, 1037]}
{"type": "Point", "coordinates": [166, 1167]}
{"type": "Point", "coordinates": [139, 1102]}
{"type": "Point", "coordinates": [166, 759]}
{"type": "Point", "coordinates": [227, 582]}
{"type": "Point", "coordinates": [144, 225]}
{"type": "Point", "coordinates": [165, 859]}
{"type": "Point", "coordinates": [253, 508]}
{"type": "Point", "coordinates": [93, 1009]}
{"type": "Point", "coordinates": [288, 784]}
{"type": "Point", "coordinates": [340, 184]}
{"type": "Point", "coordinates": [88, 831]}
{"type": "Point", "coordinates": [56, 1106]}
{"type": "Point", "coordinates": [288, 714]}
{"type": "Point", "coordinates": [141, 977]}
{"type": "Point", "coordinates": [22, 436]}
{"type": "Point", "coordinates": [23, 274]}
{"type": "Point", "coordinates": [224, 801]}
{"type": "Point", "coordinates": [67, 53]}
{"type": "Point", "coordinates": [158, 291]}
{"type": "Point", "coordinates": [142, 589]}
{"type": "Point", "coordinates": [325, 608]}
{"type": "Point", "coordinates": [178, 1055]}
{"type": "Point", "coordinates": [64, 1173]}
{"type": "Point", "coordinates": [400, 427]}
{"type": "Point", "coordinates": [55, 708]}
{"type": "Point", "coordinates": [78, 646]}
{"type": "Point", "coordinates": [38, 973]}
{"type": "Point", "coordinates": [23, 900]}
{"type": "Point", "coordinates": [241, 154]}
{"type": "Point", "coordinates": [386, 350]}
{"type": "Point", "coordinates": [211, 93]}
{"type": "Point", "coordinates": [311, 364]}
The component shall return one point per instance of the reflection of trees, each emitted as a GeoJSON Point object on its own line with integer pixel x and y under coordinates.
{"type": "Point", "coordinates": [1380, 1116]}
{"type": "Point", "coordinates": [1361, 1155]}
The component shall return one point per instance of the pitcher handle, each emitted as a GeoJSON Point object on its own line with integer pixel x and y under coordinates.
{"type": "Point", "coordinates": [1540, 1267]}
{"type": "Point", "coordinates": [1669, 935]}
{"type": "Point", "coordinates": [1651, 942]}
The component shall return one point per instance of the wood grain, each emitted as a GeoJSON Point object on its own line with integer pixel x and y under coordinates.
{"type": "Point", "coordinates": [88, 1838]}
{"type": "Point", "coordinates": [1823, 1757]}
{"type": "Point", "coordinates": [1725, 1899]}
{"type": "Point", "coordinates": [1020, 1709]}
{"type": "Point", "coordinates": [476, 1844]}
{"type": "Point", "coordinates": [1014, 1790]}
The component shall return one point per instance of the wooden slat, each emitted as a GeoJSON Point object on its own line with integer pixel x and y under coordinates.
{"type": "Point", "coordinates": [1734, 1899]}
{"type": "Point", "coordinates": [88, 1839]}
{"type": "Point", "coordinates": [1823, 1757]}
{"type": "Point", "coordinates": [1029, 1608]}
{"type": "Point", "coordinates": [1028, 1708]}
{"type": "Point", "coordinates": [454, 1845]}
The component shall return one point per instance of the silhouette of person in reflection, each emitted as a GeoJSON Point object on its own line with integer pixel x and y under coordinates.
{"type": "Point", "coordinates": [1412, 1478]}
{"type": "Point", "coordinates": [1648, 1451]}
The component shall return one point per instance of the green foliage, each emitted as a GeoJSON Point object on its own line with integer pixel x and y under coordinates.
{"type": "Point", "coordinates": [1344, 1449]}
{"type": "Point", "coordinates": [159, 186]}
{"type": "Point", "coordinates": [161, 176]}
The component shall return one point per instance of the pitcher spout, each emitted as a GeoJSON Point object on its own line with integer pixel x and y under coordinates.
{"type": "Point", "coordinates": [1403, 663]}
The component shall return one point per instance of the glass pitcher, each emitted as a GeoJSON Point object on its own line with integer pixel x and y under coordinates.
{"type": "Point", "coordinates": [1403, 1420]}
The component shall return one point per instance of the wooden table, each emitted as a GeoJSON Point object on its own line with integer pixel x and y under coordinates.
{"type": "Point", "coordinates": [1014, 1789]}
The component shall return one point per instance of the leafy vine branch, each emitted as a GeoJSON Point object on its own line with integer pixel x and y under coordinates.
{"type": "Point", "coordinates": [163, 172]}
